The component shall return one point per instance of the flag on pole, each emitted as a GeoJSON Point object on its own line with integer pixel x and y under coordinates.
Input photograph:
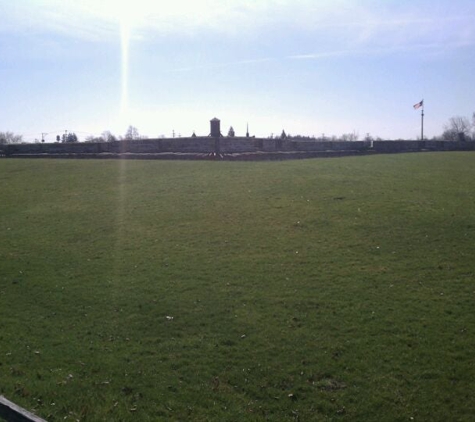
{"type": "Point", "coordinates": [418, 105]}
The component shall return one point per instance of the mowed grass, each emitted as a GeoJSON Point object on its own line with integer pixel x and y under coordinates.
{"type": "Point", "coordinates": [324, 289]}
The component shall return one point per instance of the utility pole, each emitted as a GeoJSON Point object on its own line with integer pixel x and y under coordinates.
{"type": "Point", "coordinates": [43, 134]}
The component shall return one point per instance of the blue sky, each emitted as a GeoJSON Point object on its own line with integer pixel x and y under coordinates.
{"type": "Point", "coordinates": [309, 67]}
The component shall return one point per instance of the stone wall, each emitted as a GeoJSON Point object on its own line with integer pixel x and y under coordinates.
{"type": "Point", "coordinates": [224, 145]}
{"type": "Point", "coordinates": [414, 146]}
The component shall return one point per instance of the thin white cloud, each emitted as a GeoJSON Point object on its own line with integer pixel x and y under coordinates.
{"type": "Point", "coordinates": [336, 22]}
{"type": "Point", "coordinates": [429, 48]}
{"type": "Point", "coordinates": [209, 66]}
{"type": "Point", "coordinates": [322, 55]}
{"type": "Point", "coordinates": [93, 19]}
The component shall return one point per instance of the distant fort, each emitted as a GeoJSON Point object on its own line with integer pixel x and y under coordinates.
{"type": "Point", "coordinates": [217, 146]}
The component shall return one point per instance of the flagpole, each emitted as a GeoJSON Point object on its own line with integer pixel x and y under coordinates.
{"type": "Point", "coordinates": [422, 121]}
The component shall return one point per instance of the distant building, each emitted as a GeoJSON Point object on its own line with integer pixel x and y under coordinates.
{"type": "Point", "coordinates": [231, 133]}
{"type": "Point", "coordinates": [215, 128]}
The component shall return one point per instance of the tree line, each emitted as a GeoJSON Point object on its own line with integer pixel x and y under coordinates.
{"type": "Point", "coordinates": [10, 138]}
{"type": "Point", "coordinates": [131, 134]}
{"type": "Point", "coordinates": [458, 128]}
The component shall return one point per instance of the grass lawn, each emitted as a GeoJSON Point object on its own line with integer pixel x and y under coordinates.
{"type": "Point", "coordinates": [324, 289]}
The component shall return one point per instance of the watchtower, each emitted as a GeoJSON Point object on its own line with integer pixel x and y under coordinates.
{"type": "Point", "coordinates": [215, 125]}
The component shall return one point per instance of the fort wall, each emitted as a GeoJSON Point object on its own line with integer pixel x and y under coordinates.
{"type": "Point", "coordinates": [224, 145]}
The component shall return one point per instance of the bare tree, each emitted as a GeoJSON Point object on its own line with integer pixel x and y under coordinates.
{"type": "Point", "coordinates": [107, 136]}
{"type": "Point", "coordinates": [349, 137]}
{"type": "Point", "coordinates": [70, 137]}
{"type": "Point", "coordinates": [132, 133]}
{"type": "Point", "coordinates": [92, 138]}
{"type": "Point", "coordinates": [10, 138]}
{"type": "Point", "coordinates": [458, 128]}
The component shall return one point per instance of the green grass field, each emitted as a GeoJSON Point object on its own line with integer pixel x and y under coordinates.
{"type": "Point", "coordinates": [324, 289]}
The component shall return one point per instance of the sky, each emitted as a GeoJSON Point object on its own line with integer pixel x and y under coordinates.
{"type": "Point", "coordinates": [308, 67]}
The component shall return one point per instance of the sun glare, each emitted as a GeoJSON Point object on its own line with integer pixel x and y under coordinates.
{"type": "Point", "coordinates": [135, 20]}
{"type": "Point", "coordinates": [125, 45]}
{"type": "Point", "coordinates": [128, 15]}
